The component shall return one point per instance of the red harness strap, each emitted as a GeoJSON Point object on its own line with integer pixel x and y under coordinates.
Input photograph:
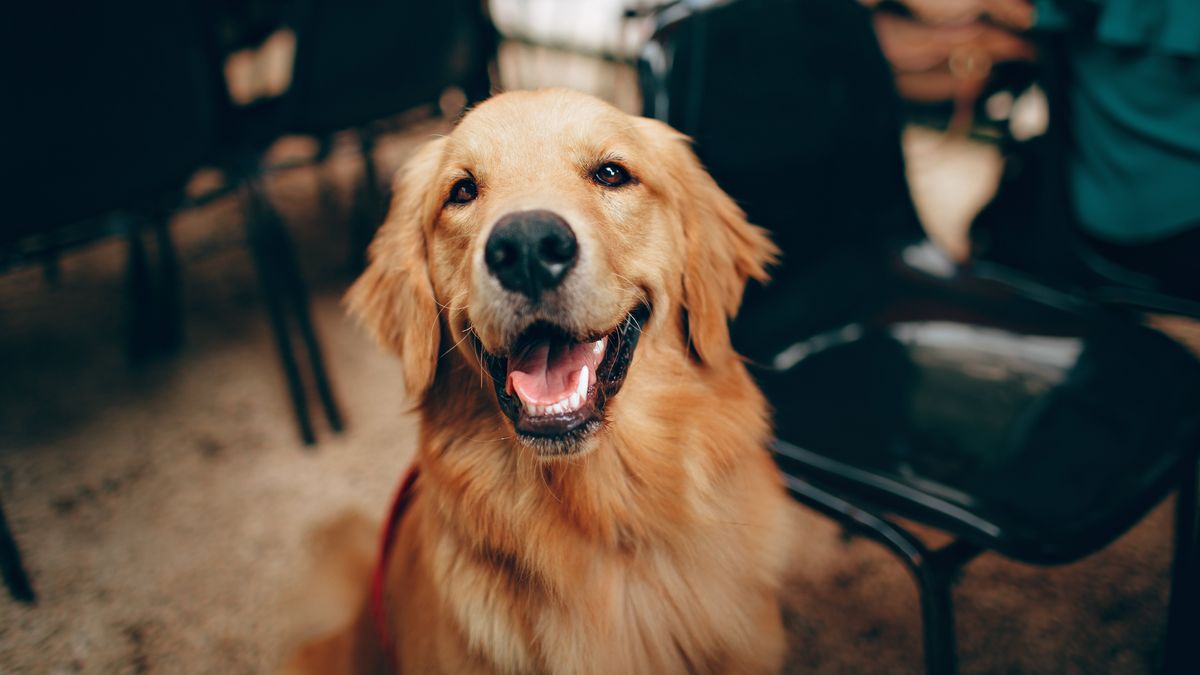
{"type": "Point", "coordinates": [400, 504]}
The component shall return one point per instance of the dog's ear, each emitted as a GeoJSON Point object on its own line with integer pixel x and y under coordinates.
{"type": "Point", "coordinates": [723, 250]}
{"type": "Point", "coordinates": [393, 299]}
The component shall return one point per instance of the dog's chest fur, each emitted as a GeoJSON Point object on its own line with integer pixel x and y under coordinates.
{"type": "Point", "coordinates": [648, 616]}
{"type": "Point", "coordinates": [630, 577]}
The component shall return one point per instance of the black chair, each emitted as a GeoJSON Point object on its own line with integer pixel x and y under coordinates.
{"type": "Point", "coordinates": [109, 111]}
{"type": "Point", "coordinates": [1019, 419]}
{"type": "Point", "coordinates": [359, 62]}
{"type": "Point", "coordinates": [96, 127]}
{"type": "Point", "coordinates": [13, 571]}
{"type": "Point", "coordinates": [355, 63]}
{"type": "Point", "coordinates": [115, 108]}
{"type": "Point", "coordinates": [1016, 419]}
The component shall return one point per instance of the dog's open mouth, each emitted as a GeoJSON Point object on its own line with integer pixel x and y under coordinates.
{"type": "Point", "coordinates": [553, 386]}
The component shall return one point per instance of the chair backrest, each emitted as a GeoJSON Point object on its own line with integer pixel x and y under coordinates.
{"type": "Point", "coordinates": [793, 110]}
{"type": "Point", "coordinates": [361, 60]}
{"type": "Point", "coordinates": [106, 104]}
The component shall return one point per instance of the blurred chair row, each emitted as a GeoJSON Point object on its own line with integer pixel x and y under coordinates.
{"type": "Point", "coordinates": [111, 107]}
{"type": "Point", "coordinates": [1037, 422]}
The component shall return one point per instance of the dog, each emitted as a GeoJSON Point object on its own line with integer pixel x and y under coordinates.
{"type": "Point", "coordinates": [595, 493]}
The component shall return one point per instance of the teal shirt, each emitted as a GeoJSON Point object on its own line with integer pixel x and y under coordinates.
{"type": "Point", "coordinates": [1135, 117]}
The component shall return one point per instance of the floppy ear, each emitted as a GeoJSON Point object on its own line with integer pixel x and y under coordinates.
{"type": "Point", "coordinates": [723, 250]}
{"type": "Point", "coordinates": [393, 299]}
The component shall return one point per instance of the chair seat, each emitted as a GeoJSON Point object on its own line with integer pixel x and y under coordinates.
{"type": "Point", "coordinates": [1007, 416]}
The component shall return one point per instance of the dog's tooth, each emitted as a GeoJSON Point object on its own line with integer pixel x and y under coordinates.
{"type": "Point", "coordinates": [530, 409]}
{"type": "Point", "coordinates": [598, 345]}
{"type": "Point", "coordinates": [574, 402]}
{"type": "Point", "coordinates": [581, 387]}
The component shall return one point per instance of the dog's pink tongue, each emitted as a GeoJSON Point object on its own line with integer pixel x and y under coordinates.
{"type": "Point", "coordinates": [548, 372]}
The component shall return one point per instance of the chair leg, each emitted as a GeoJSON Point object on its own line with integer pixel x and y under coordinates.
{"type": "Point", "coordinates": [13, 570]}
{"type": "Point", "coordinates": [170, 315]}
{"type": "Point", "coordinates": [294, 283]}
{"type": "Point", "coordinates": [156, 319]}
{"type": "Point", "coordinates": [141, 295]}
{"type": "Point", "coordinates": [267, 241]}
{"type": "Point", "coordinates": [327, 197]}
{"type": "Point", "coordinates": [367, 210]}
{"type": "Point", "coordinates": [934, 571]}
{"type": "Point", "coordinates": [1180, 655]}
{"type": "Point", "coordinates": [937, 619]}
{"type": "Point", "coordinates": [935, 575]}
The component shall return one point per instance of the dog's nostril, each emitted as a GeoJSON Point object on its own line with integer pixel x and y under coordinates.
{"type": "Point", "coordinates": [531, 251]}
{"type": "Point", "coordinates": [502, 255]}
{"type": "Point", "coordinates": [557, 249]}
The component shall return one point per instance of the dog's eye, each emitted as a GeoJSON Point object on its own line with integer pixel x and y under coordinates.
{"type": "Point", "coordinates": [611, 174]}
{"type": "Point", "coordinates": [463, 191]}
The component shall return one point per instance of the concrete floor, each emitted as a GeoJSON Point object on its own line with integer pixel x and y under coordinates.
{"type": "Point", "coordinates": [165, 511]}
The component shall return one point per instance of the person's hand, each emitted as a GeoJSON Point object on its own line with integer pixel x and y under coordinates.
{"type": "Point", "coordinates": [1014, 14]}
{"type": "Point", "coordinates": [948, 46]}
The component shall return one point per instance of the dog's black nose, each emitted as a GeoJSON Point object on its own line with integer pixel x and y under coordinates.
{"type": "Point", "coordinates": [531, 251]}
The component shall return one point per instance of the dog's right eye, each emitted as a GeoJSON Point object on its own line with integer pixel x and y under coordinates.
{"type": "Point", "coordinates": [463, 191]}
{"type": "Point", "coordinates": [611, 174]}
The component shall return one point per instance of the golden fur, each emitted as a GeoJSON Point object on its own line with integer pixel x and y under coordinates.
{"type": "Point", "coordinates": [660, 545]}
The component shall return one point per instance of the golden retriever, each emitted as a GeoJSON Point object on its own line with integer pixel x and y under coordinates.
{"type": "Point", "coordinates": [595, 494]}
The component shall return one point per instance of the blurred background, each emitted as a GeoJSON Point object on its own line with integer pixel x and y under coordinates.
{"type": "Point", "coordinates": [1001, 188]}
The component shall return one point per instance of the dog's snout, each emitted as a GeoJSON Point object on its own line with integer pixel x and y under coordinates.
{"type": "Point", "coordinates": [531, 251]}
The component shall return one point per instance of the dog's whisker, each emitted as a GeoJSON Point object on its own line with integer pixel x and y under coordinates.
{"type": "Point", "coordinates": [477, 352]}
{"type": "Point", "coordinates": [452, 307]}
{"type": "Point", "coordinates": [453, 347]}
{"type": "Point", "coordinates": [636, 323]}
{"type": "Point", "coordinates": [638, 291]}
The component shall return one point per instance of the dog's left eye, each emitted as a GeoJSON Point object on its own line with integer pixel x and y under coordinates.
{"type": "Point", "coordinates": [463, 191]}
{"type": "Point", "coordinates": [611, 174]}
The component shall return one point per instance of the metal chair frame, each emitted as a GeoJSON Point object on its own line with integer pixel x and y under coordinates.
{"type": "Point", "coordinates": [936, 570]}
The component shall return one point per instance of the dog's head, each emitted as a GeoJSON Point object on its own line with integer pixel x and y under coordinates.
{"type": "Point", "coordinates": [540, 241]}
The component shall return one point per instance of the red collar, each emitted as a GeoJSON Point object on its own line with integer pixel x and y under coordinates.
{"type": "Point", "coordinates": [400, 504]}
